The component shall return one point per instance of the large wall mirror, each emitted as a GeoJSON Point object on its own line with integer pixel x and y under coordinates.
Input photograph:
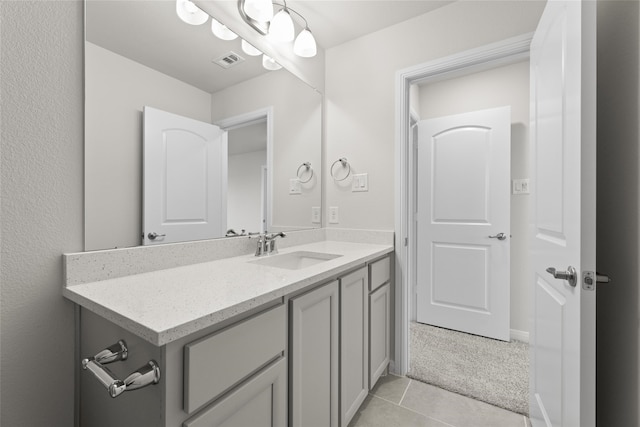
{"type": "Point", "coordinates": [140, 54]}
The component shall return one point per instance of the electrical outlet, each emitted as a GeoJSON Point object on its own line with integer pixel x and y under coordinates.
{"type": "Point", "coordinates": [333, 215]}
{"type": "Point", "coordinates": [315, 215]}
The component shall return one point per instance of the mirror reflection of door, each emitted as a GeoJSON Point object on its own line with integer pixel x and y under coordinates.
{"type": "Point", "coordinates": [247, 180]}
{"type": "Point", "coordinates": [184, 178]}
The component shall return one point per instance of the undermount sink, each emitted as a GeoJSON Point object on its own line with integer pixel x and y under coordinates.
{"type": "Point", "coordinates": [295, 260]}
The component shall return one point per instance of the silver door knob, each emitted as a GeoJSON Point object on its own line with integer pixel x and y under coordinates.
{"type": "Point", "coordinates": [570, 275]}
{"type": "Point", "coordinates": [499, 236]}
{"type": "Point", "coordinates": [154, 235]}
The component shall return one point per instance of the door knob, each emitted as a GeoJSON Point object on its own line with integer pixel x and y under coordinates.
{"type": "Point", "coordinates": [153, 235]}
{"type": "Point", "coordinates": [499, 236]}
{"type": "Point", "coordinates": [570, 275]}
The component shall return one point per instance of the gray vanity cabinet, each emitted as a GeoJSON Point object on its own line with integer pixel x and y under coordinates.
{"type": "Point", "coordinates": [354, 343]}
{"type": "Point", "coordinates": [305, 360]}
{"type": "Point", "coordinates": [314, 357]}
{"type": "Point", "coordinates": [379, 318]}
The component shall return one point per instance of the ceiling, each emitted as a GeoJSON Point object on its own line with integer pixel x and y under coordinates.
{"type": "Point", "coordinates": [150, 33]}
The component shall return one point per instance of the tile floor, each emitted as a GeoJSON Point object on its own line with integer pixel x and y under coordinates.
{"type": "Point", "coordinates": [403, 402]}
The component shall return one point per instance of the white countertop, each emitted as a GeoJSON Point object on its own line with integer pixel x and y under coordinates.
{"type": "Point", "coordinates": [165, 305]}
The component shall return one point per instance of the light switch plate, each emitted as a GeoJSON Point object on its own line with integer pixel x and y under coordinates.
{"type": "Point", "coordinates": [360, 182]}
{"type": "Point", "coordinates": [520, 186]}
{"type": "Point", "coordinates": [294, 186]}
{"type": "Point", "coordinates": [333, 215]}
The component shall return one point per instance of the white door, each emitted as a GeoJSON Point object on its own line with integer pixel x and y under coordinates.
{"type": "Point", "coordinates": [184, 179]}
{"type": "Point", "coordinates": [563, 183]}
{"type": "Point", "coordinates": [463, 222]}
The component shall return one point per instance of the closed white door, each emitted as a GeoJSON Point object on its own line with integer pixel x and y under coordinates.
{"type": "Point", "coordinates": [184, 179]}
{"type": "Point", "coordinates": [563, 183]}
{"type": "Point", "coordinates": [463, 222]}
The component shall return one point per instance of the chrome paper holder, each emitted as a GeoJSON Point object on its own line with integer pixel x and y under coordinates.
{"type": "Point", "coordinates": [142, 377]}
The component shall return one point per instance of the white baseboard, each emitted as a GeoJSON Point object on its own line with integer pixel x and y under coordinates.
{"type": "Point", "coordinates": [519, 335]}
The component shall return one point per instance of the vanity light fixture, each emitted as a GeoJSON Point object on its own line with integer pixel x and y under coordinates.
{"type": "Point", "coordinates": [259, 10]}
{"type": "Point", "coordinates": [221, 31]}
{"type": "Point", "coordinates": [305, 44]}
{"type": "Point", "coordinates": [280, 28]}
{"type": "Point", "coordinates": [190, 13]}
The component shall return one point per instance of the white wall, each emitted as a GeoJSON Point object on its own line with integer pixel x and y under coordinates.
{"type": "Point", "coordinates": [506, 85]}
{"type": "Point", "coordinates": [618, 228]}
{"type": "Point", "coordinates": [360, 93]}
{"type": "Point", "coordinates": [117, 89]}
{"type": "Point", "coordinates": [41, 206]}
{"type": "Point", "coordinates": [244, 194]}
{"type": "Point", "coordinates": [296, 138]}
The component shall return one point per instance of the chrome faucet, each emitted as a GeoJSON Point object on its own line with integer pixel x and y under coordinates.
{"type": "Point", "coordinates": [267, 243]}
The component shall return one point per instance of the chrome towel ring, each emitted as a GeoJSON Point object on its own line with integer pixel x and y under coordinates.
{"type": "Point", "coordinates": [345, 164]}
{"type": "Point", "coordinates": [308, 168]}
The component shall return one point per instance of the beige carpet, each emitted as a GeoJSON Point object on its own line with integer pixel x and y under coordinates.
{"type": "Point", "coordinates": [489, 370]}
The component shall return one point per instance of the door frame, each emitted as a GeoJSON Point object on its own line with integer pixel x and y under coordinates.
{"type": "Point", "coordinates": [245, 119]}
{"type": "Point", "coordinates": [482, 58]}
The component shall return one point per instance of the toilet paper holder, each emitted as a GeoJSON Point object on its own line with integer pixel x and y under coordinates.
{"type": "Point", "coordinates": [141, 377]}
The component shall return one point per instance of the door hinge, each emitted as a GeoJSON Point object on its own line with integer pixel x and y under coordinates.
{"type": "Point", "coordinates": [406, 241]}
{"type": "Point", "coordinates": [590, 278]}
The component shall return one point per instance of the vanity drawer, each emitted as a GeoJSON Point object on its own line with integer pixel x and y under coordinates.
{"type": "Point", "coordinates": [215, 363]}
{"type": "Point", "coordinates": [379, 273]}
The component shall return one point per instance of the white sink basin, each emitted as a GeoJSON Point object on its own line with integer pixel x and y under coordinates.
{"type": "Point", "coordinates": [295, 260]}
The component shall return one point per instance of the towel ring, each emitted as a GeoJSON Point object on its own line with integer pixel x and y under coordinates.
{"type": "Point", "coordinates": [346, 164]}
{"type": "Point", "coordinates": [309, 169]}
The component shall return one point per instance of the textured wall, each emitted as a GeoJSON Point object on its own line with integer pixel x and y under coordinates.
{"type": "Point", "coordinates": [41, 206]}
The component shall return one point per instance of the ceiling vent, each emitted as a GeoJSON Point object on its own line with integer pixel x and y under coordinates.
{"type": "Point", "coordinates": [229, 60]}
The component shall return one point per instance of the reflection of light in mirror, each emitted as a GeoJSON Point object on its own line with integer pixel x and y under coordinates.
{"type": "Point", "coordinates": [190, 13]}
{"type": "Point", "coordinates": [249, 49]}
{"type": "Point", "coordinates": [221, 31]}
{"type": "Point", "coordinates": [269, 63]}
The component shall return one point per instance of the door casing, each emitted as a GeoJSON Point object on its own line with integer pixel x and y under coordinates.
{"type": "Point", "coordinates": [485, 57]}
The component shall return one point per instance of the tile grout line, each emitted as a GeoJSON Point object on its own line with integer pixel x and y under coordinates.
{"type": "Point", "coordinates": [411, 410]}
{"type": "Point", "coordinates": [405, 392]}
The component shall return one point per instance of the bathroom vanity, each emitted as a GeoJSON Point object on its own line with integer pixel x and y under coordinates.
{"type": "Point", "coordinates": [293, 339]}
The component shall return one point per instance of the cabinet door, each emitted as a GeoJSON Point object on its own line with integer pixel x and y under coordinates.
{"type": "Point", "coordinates": [260, 402]}
{"type": "Point", "coordinates": [314, 358]}
{"type": "Point", "coordinates": [354, 343]}
{"type": "Point", "coordinates": [379, 332]}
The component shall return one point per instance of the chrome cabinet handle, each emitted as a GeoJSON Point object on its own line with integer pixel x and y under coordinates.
{"type": "Point", "coordinates": [570, 275]}
{"type": "Point", "coordinates": [499, 236]}
{"type": "Point", "coordinates": [153, 235]}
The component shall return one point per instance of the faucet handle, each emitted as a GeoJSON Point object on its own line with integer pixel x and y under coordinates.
{"type": "Point", "coordinates": [274, 235]}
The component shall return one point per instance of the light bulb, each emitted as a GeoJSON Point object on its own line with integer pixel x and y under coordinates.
{"type": "Point", "coordinates": [249, 49]}
{"type": "Point", "coordinates": [305, 44]}
{"type": "Point", "coordinates": [269, 63]}
{"type": "Point", "coordinates": [190, 13]}
{"type": "Point", "coordinates": [281, 27]}
{"type": "Point", "coordinates": [221, 31]}
{"type": "Point", "coordinates": [260, 10]}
